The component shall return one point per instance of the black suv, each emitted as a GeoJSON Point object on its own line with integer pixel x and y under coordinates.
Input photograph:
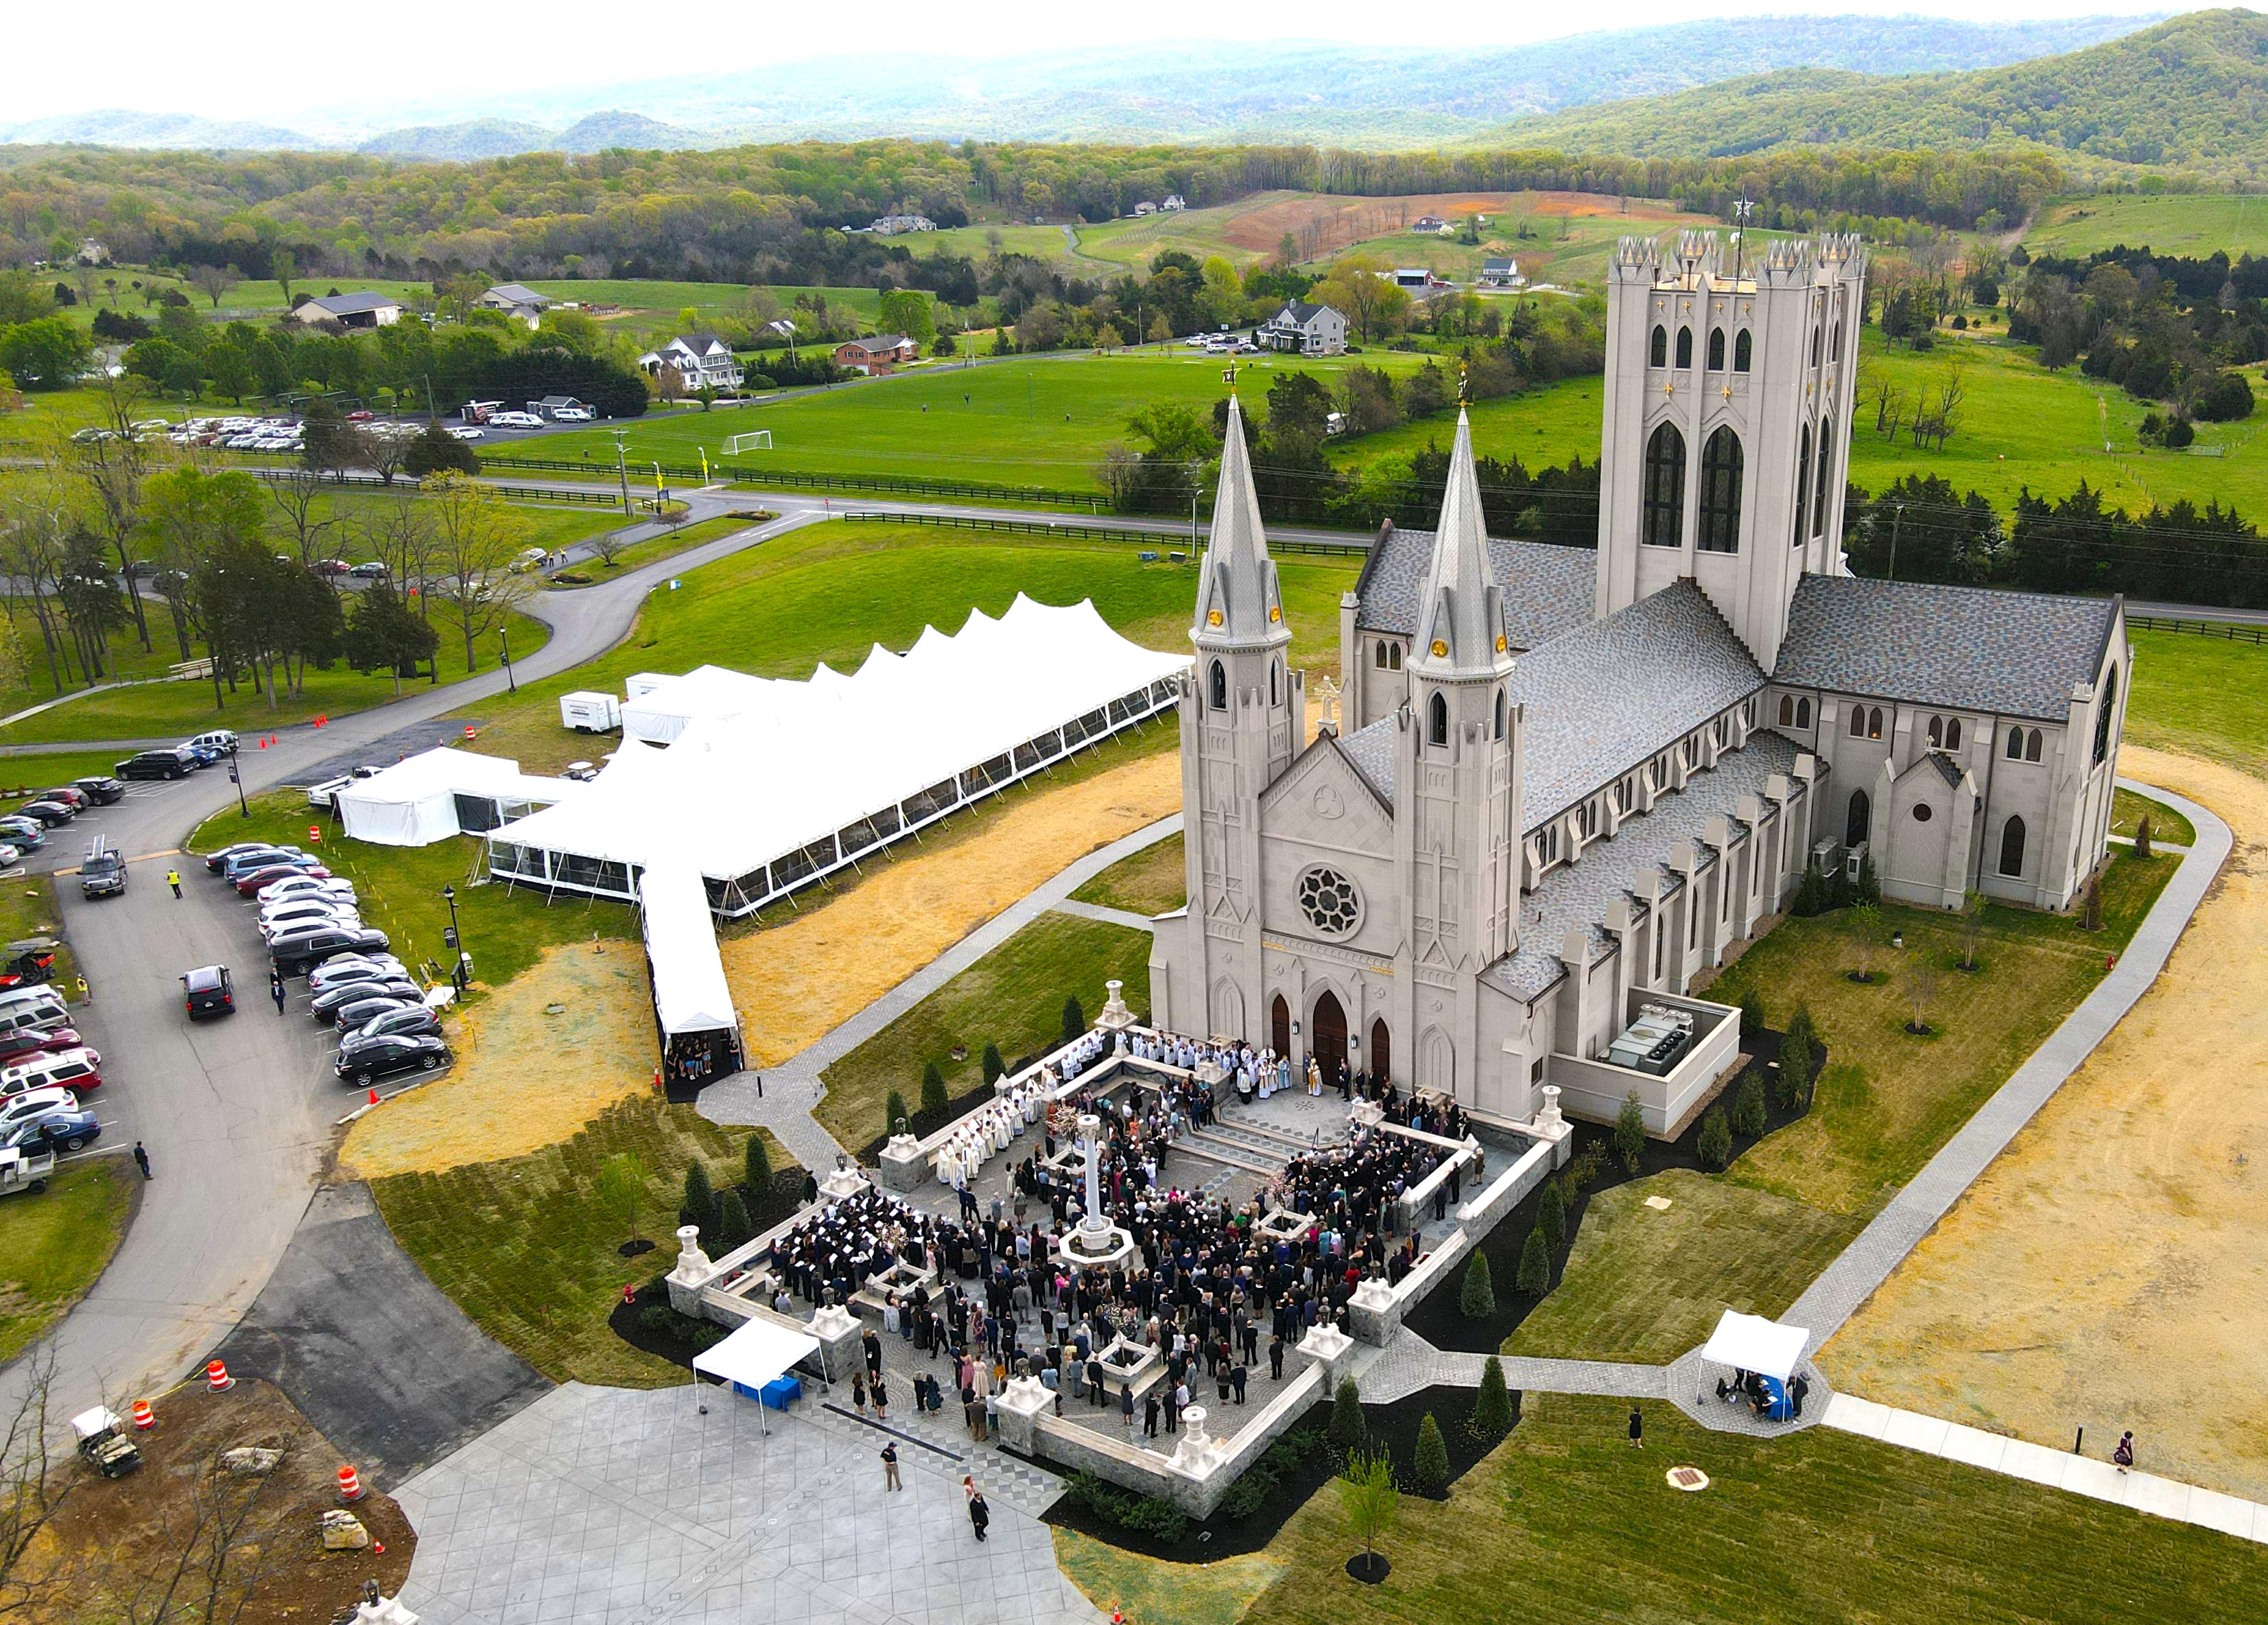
{"type": "Point", "coordinates": [173, 762]}
{"type": "Point", "coordinates": [103, 874]}
{"type": "Point", "coordinates": [362, 1061]}
{"type": "Point", "coordinates": [207, 991]}
{"type": "Point", "coordinates": [101, 788]}
{"type": "Point", "coordinates": [295, 953]}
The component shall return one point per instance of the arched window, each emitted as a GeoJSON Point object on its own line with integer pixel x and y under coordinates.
{"type": "Point", "coordinates": [1875, 722]}
{"type": "Point", "coordinates": [1817, 335]}
{"type": "Point", "coordinates": [2032, 746]}
{"type": "Point", "coordinates": [1803, 712]}
{"type": "Point", "coordinates": [1437, 720]}
{"type": "Point", "coordinates": [1741, 350]}
{"type": "Point", "coordinates": [1952, 734]}
{"type": "Point", "coordinates": [1857, 721]}
{"type": "Point", "coordinates": [2015, 744]}
{"type": "Point", "coordinates": [1684, 348]}
{"type": "Point", "coordinates": [1937, 733]}
{"type": "Point", "coordinates": [1836, 351]}
{"type": "Point", "coordinates": [1219, 685]}
{"type": "Point", "coordinates": [1716, 350]}
{"type": "Point", "coordinates": [1787, 711]}
{"type": "Point", "coordinates": [2011, 847]}
{"type": "Point", "coordinates": [2108, 704]}
{"type": "Point", "coordinates": [1802, 477]}
{"type": "Point", "coordinates": [1663, 517]}
{"type": "Point", "coordinates": [1658, 353]}
{"type": "Point", "coordinates": [1500, 713]}
{"type": "Point", "coordinates": [1860, 821]}
{"type": "Point", "coordinates": [1377, 656]}
{"type": "Point", "coordinates": [1720, 493]}
{"type": "Point", "coordinates": [1275, 683]}
{"type": "Point", "coordinates": [1826, 463]}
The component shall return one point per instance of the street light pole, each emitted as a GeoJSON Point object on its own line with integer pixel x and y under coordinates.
{"type": "Point", "coordinates": [621, 469]}
{"type": "Point", "coordinates": [236, 774]}
{"type": "Point", "coordinates": [503, 640]}
{"type": "Point", "coordinates": [456, 941]}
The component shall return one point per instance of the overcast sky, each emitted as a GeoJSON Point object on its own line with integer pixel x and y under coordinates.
{"type": "Point", "coordinates": [301, 62]}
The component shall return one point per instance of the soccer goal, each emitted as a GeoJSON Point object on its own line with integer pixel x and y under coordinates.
{"type": "Point", "coordinates": [754, 440]}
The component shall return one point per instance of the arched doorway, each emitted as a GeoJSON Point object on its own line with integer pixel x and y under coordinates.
{"type": "Point", "coordinates": [1279, 1026]}
{"type": "Point", "coordinates": [1327, 1037]}
{"type": "Point", "coordinates": [1382, 1051]}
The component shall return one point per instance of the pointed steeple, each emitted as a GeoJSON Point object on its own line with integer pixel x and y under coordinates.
{"type": "Point", "coordinates": [1239, 606]}
{"type": "Point", "coordinates": [1460, 614]}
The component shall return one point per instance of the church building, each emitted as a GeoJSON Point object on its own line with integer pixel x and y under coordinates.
{"type": "Point", "coordinates": [1565, 783]}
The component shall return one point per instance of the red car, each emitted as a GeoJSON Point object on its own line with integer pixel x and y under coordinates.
{"type": "Point", "coordinates": [251, 882]}
{"type": "Point", "coordinates": [360, 417]}
{"type": "Point", "coordinates": [27, 1041]}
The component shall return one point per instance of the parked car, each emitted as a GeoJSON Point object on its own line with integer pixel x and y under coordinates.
{"type": "Point", "coordinates": [331, 567]}
{"type": "Point", "coordinates": [20, 1042]}
{"type": "Point", "coordinates": [32, 1107]}
{"type": "Point", "coordinates": [347, 919]}
{"type": "Point", "coordinates": [326, 1005]}
{"type": "Point", "coordinates": [29, 833]}
{"type": "Point", "coordinates": [370, 569]}
{"type": "Point", "coordinates": [276, 917]}
{"type": "Point", "coordinates": [101, 788]}
{"type": "Point", "coordinates": [363, 1062]}
{"type": "Point", "coordinates": [295, 955]}
{"type": "Point", "coordinates": [403, 1020]}
{"type": "Point", "coordinates": [49, 813]}
{"type": "Point", "coordinates": [69, 795]}
{"type": "Point", "coordinates": [171, 763]}
{"type": "Point", "coordinates": [306, 886]}
{"type": "Point", "coordinates": [344, 967]}
{"type": "Point", "coordinates": [463, 431]}
{"type": "Point", "coordinates": [209, 991]}
{"type": "Point", "coordinates": [216, 861]}
{"type": "Point", "coordinates": [515, 420]}
{"type": "Point", "coordinates": [243, 860]}
{"type": "Point", "coordinates": [9, 854]}
{"type": "Point", "coordinates": [356, 1014]}
{"type": "Point", "coordinates": [61, 1129]}
{"type": "Point", "coordinates": [78, 1070]}
{"type": "Point", "coordinates": [220, 738]}
{"type": "Point", "coordinates": [249, 884]}
{"type": "Point", "coordinates": [202, 755]}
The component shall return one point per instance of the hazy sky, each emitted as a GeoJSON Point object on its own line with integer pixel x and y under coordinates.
{"type": "Point", "coordinates": [159, 55]}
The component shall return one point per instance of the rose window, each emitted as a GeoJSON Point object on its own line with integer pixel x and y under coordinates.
{"type": "Point", "coordinates": [1329, 901]}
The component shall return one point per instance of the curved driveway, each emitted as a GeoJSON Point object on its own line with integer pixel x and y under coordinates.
{"type": "Point", "coordinates": [238, 1114]}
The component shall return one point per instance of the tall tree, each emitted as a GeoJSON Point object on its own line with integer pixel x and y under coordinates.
{"type": "Point", "coordinates": [111, 465]}
{"type": "Point", "coordinates": [187, 514]}
{"type": "Point", "coordinates": [475, 539]}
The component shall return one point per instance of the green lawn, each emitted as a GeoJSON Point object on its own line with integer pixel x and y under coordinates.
{"type": "Point", "coordinates": [2167, 826]}
{"type": "Point", "coordinates": [525, 1247]}
{"type": "Point", "coordinates": [504, 929]}
{"type": "Point", "coordinates": [1012, 997]}
{"type": "Point", "coordinates": [830, 591]}
{"type": "Point", "coordinates": [27, 908]}
{"type": "Point", "coordinates": [2192, 224]}
{"type": "Point", "coordinates": [2201, 695]}
{"type": "Point", "coordinates": [681, 540]}
{"type": "Point", "coordinates": [40, 770]}
{"type": "Point", "coordinates": [1565, 1522]}
{"type": "Point", "coordinates": [1151, 881]}
{"type": "Point", "coordinates": [55, 1245]}
{"type": "Point", "coordinates": [1646, 1286]}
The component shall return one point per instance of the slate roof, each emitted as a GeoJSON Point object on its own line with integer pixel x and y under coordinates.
{"type": "Point", "coordinates": [354, 304]}
{"type": "Point", "coordinates": [1547, 590]}
{"type": "Point", "coordinates": [1300, 311]}
{"type": "Point", "coordinates": [1964, 648]}
{"type": "Point", "coordinates": [1605, 697]}
{"type": "Point", "coordinates": [1946, 768]}
{"type": "Point", "coordinates": [1371, 751]}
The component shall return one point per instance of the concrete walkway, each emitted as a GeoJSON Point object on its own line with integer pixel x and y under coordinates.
{"type": "Point", "coordinates": [2081, 1475]}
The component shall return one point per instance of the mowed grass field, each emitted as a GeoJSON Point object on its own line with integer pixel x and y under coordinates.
{"type": "Point", "coordinates": [2192, 225]}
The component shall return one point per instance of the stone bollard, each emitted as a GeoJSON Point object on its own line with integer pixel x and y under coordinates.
{"type": "Point", "coordinates": [836, 1328]}
{"type": "Point", "coordinates": [903, 1166]}
{"type": "Point", "coordinates": [1374, 1311]}
{"type": "Point", "coordinates": [1330, 1348]}
{"type": "Point", "coordinates": [1551, 1125]}
{"type": "Point", "coordinates": [693, 1272]}
{"type": "Point", "coordinates": [1021, 1402]}
{"type": "Point", "coordinates": [1116, 1016]}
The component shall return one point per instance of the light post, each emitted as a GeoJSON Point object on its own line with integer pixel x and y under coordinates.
{"type": "Point", "coordinates": [236, 778]}
{"type": "Point", "coordinates": [504, 642]}
{"type": "Point", "coordinates": [621, 469]}
{"type": "Point", "coordinates": [455, 940]}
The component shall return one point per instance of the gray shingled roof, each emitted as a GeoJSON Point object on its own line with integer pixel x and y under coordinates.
{"type": "Point", "coordinates": [353, 304]}
{"type": "Point", "coordinates": [1948, 768]}
{"type": "Point", "coordinates": [1602, 700]}
{"type": "Point", "coordinates": [1965, 648]}
{"type": "Point", "coordinates": [1547, 590]}
{"type": "Point", "coordinates": [1371, 751]}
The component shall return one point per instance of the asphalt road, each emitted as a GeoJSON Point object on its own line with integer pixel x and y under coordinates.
{"type": "Point", "coordinates": [238, 1113]}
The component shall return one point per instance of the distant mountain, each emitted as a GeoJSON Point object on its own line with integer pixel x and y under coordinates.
{"type": "Point", "coordinates": [113, 126]}
{"type": "Point", "coordinates": [1328, 94]}
{"type": "Point", "coordinates": [2192, 91]}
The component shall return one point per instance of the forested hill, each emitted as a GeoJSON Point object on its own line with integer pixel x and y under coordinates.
{"type": "Point", "coordinates": [2193, 92]}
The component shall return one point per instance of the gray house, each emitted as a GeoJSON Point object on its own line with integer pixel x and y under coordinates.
{"type": "Point", "coordinates": [1302, 329]}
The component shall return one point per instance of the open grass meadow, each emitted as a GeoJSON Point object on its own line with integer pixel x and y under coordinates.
{"type": "Point", "coordinates": [2167, 826]}
{"type": "Point", "coordinates": [1647, 1285]}
{"type": "Point", "coordinates": [2202, 696]}
{"type": "Point", "coordinates": [1012, 997]}
{"type": "Point", "coordinates": [1153, 881]}
{"type": "Point", "coordinates": [2194, 225]}
{"type": "Point", "coordinates": [55, 1245]}
{"type": "Point", "coordinates": [528, 1248]}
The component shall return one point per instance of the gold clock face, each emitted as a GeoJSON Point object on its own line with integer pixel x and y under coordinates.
{"type": "Point", "coordinates": [1499, 643]}
{"type": "Point", "coordinates": [1440, 649]}
{"type": "Point", "coordinates": [1274, 613]}
{"type": "Point", "coordinates": [1212, 618]}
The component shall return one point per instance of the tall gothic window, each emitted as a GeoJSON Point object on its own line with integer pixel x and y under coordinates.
{"type": "Point", "coordinates": [2102, 716]}
{"type": "Point", "coordinates": [1664, 518]}
{"type": "Point", "coordinates": [2032, 746]}
{"type": "Point", "coordinates": [1500, 713]}
{"type": "Point", "coordinates": [1657, 352]}
{"type": "Point", "coordinates": [1818, 336]}
{"type": "Point", "coordinates": [1742, 348]}
{"type": "Point", "coordinates": [1684, 348]}
{"type": "Point", "coordinates": [2011, 847]}
{"type": "Point", "coordinates": [1826, 461]}
{"type": "Point", "coordinates": [1716, 350]}
{"type": "Point", "coordinates": [1275, 683]}
{"type": "Point", "coordinates": [1720, 493]}
{"type": "Point", "coordinates": [1219, 685]}
{"type": "Point", "coordinates": [1802, 479]}
{"type": "Point", "coordinates": [1861, 820]}
{"type": "Point", "coordinates": [2015, 744]}
{"type": "Point", "coordinates": [1437, 720]}
{"type": "Point", "coordinates": [1803, 712]}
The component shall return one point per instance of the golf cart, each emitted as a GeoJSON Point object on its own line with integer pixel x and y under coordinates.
{"type": "Point", "coordinates": [103, 1440]}
{"type": "Point", "coordinates": [31, 959]}
{"type": "Point", "coordinates": [25, 1167]}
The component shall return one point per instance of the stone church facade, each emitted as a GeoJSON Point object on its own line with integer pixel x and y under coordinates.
{"type": "Point", "coordinates": [1566, 782]}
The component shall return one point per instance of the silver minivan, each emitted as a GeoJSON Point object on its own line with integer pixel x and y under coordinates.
{"type": "Point", "coordinates": [33, 1007]}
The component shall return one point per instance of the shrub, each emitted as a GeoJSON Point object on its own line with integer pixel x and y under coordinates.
{"type": "Point", "coordinates": [436, 451]}
{"type": "Point", "coordinates": [1348, 1432]}
{"type": "Point", "coordinates": [2091, 906]}
{"type": "Point", "coordinates": [1714, 1146]}
{"type": "Point", "coordinates": [2179, 433]}
{"type": "Point", "coordinates": [1551, 1214]}
{"type": "Point", "coordinates": [1534, 1264]}
{"type": "Point", "coordinates": [2142, 837]}
{"type": "Point", "coordinates": [1811, 895]}
{"type": "Point", "coordinates": [1477, 1297]}
{"type": "Point", "coordinates": [661, 1319]}
{"type": "Point", "coordinates": [995, 1068]}
{"type": "Point", "coordinates": [732, 1227]}
{"type": "Point", "coordinates": [1796, 1061]}
{"type": "Point", "coordinates": [933, 1098]}
{"type": "Point", "coordinates": [1244, 1496]}
{"type": "Point", "coordinates": [1752, 1013]}
{"type": "Point", "coordinates": [894, 1113]}
{"type": "Point", "coordinates": [1748, 1114]}
{"type": "Point", "coordinates": [706, 1335]}
{"type": "Point", "coordinates": [700, 1201]}
{"type": "Point", "coordinates": [1431, 1466]}
{"type": "Point", "coordinates": [1158, 1518]}
{"type": "Point", "coordinates": [1589, 1163]}
{"type": "Point", "coordinates": [1870, 885]}
{"type": "Point", "coordinates": [757, 1168]}
{"type": "Point", "coordinates": [1630, 1134]}
{"type": "Point", "coordinates": [1493, 1410]}
{"type": "Point", "coordinates": [2228, 398]}
{"type": "Point", "coordinates": [1074, 1019]}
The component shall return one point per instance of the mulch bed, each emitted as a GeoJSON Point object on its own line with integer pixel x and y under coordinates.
{"type": "Point", "coordinates": [1441, 1321]}
{"type": "Point", "coordinates": [1392, 1428]}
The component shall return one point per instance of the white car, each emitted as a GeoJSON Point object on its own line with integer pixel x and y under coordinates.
{"type": "Point", "coordinates": [463, 431]}
{"type": "Point", "coordinates": [299, 886]}
{"type": "Point", "coordinates": [291, 923]}
{"type": "Point", "coordinates": [515, 420]}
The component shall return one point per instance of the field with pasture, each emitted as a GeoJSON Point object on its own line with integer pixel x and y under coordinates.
{"type": "Point", "coordinates": [2190, 224]}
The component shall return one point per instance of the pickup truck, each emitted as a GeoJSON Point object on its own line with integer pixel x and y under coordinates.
{"type": "Point", "coordinates": [25, 1168]}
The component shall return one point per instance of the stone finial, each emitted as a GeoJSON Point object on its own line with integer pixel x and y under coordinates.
{"type": "Point", "coordinates": [691, 1262]}
{"type": "Point", "coordinates": [1549, 1116]}
{"type": "Point", "coordinates": [1114, 1015]}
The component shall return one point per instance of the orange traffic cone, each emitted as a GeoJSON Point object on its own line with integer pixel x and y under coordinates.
{"type": "Point", "coordinates": [349, 1485]}
{"type": "Point", "coordinates": [373, 1096]}
{"type": "Point", "coordinates": [143, 1416]}
{"type": "Point", "coordinates": [377, 1547]}
{"type": "Point", "coordinates": [216, 1377]}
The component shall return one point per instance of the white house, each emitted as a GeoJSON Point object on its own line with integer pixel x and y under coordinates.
{"type": "Point", "coordinates": [1432, 225]}
{"type": "Point", "coordinates": [1172, 204]}
{"type": "Point", "coordinates": [1304, 329]}
{"type": "Point", "coordinates": [1500, 274]}
{"type": "Point", "coordinates": [893, 224]}
{"type": "Point", "coordinates": [351, 310]}
{"type": "Point", "coordinates": [704, 361]}
{"type": "Point", "coordinates": [520, 303]}
{"type": "Point", "coordinates": [1145, 208]}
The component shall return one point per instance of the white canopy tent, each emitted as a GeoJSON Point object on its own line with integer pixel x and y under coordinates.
{"type": "Point", "coordinates": [691, 1003]}
{"type": "Point", "coordinates": [437, 794]}
{"type": "Point", "coordinates": [660, 714]}
{"type": "Point", "coordinates": [760, 1351]}
{"type": "Point", "coordinates": [1752, 1343]}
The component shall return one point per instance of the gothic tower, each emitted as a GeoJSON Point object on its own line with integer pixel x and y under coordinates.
{"type": "Point", "coordinates": [1727, 424]}
{"type": "Point", "coordinates": [1242, 719]}
{"type": "Point", "coordinates": [1456, 808]}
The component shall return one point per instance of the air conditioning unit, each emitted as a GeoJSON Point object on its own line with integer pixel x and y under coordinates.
{"type": "Point", "coordinates": [1852, 860]}
{"type": "Point", "coordinates": [1828, 855]}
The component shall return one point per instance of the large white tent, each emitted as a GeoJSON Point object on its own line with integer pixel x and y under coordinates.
{"type": "Point", "coordinates": [770, 785]}
{"type": "Point", "coordinates": [440, 792]}
{"type": "Point", "coordinates": [691, 1003]}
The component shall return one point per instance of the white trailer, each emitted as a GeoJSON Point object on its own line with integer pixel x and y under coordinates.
{"type": "Point", "coordinates": [587, 711]}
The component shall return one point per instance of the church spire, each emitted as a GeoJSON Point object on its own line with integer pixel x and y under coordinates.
{"type": "Point", "coordinates": [1239, 603]}
{"type": "Point", "coordinates": [1460, 614]}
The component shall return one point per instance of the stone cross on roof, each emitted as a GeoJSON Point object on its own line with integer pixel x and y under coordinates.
{"type": "Point", "coordinates": [1460, 635]}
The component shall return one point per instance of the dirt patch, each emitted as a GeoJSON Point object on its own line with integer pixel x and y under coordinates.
{"type": "Point", "coordinates": [583, 1008]}
{"type": "Point", "coordinates": [795, 982]}
{"type": "Point", "coordinates": [1323, 226]}
{"type": "Point", "coordinates": [2111, 1269]}
{"type": "Point", "coordinates": [127, 1533]}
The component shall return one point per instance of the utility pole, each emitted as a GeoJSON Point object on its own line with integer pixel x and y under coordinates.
{"type": "Point", "coordinates": [1897, 514]}
{"type": "Point", "coordinates": [621, 469]}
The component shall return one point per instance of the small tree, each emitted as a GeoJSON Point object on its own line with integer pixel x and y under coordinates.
{"type": "Point", "coordinates": [1431, 1465]}
{"type": "Point", "coordinates": [895, 1114]}
{"type": "Point", "coordinates": [2090, 917]}
{"type": "Point", "coordinates": [700, 1199]}
{"type": "Point", "coordinates": [995, 1068]}
{"type": "Point", "coordinates": [1863, 925]}
{"type": "Point", "coordinates": [1551, 1214]}
{"type": "Point", "coordinates": [1534, 1264]}
{"type": "Point", "coordinates": [1921, 994]}
{"type": "Point", "coordinates": [1972, 928]}
{"type": "Point", "coordinates": [1492, 1410]}
{"type": "Point", "coordinates": [1366, 1491]}
{"type": "Point", "coordinates": [757, 1169]}
{"type": "Point", "coordinates": [1752, 1013]}
{"type": "Point", "coordinates": [934, 1100]}
{"type": "Point", "coordinates": [622, 1184]}
{"type": "Point", "coordinates": [1812, 895]}
{"type": "Point", "coordinates": [1749, 1112]}
{"type": "Point", "coordinates": [1630, 1134]}
{"type": "Point", "coordinates": [2142, 837]}
{"type": "Point", "coordinates": [1714, 1145]}
{"type": "Point", "coordinates": [732, 1226]}
{"type": "Point", "coordinates": [1870, 885]}
{"type": "Point", "coordinates": [1074, 1019]}
{"type": "Point", "coordinates": [1348, 1432]}
{"type": "Point", "coordinates": [1476, 1298]}
{"type": "Point", "coordinates": [1797, 1057]}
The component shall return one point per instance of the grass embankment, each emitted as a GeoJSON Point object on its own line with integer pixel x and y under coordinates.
{"type": "Point", "coordinates": [1647, 1285]}
{"type": "Point", "coordinates": [2190, 224]}
{"type": "Point", "coordinates": [28, 908]}
{"type": "Point", "coordinates": [2167, 826]}
{"type": "Point", "coordinates": [1012, 997]}
{"type": "Point", "coordinates": [55, 1245]}
{"type": "Point", "coordinates": [528, 1249]}
{"type": "Point", "coordinates": [683, 539]}
{"type": "Point", "coordinates": [1151, 881]}
{"type": "Point", "coordinates": [1812, 1526]}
